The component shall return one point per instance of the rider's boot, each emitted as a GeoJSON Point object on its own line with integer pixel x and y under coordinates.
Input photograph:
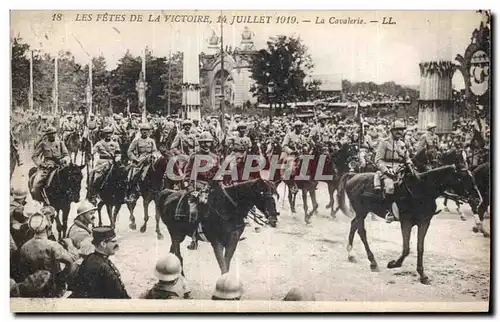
{"type": "Point", "coordinates": [131, 191]}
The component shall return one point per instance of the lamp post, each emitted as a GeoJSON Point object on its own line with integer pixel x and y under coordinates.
{"type": "Point", "coordinates": [270, 93]}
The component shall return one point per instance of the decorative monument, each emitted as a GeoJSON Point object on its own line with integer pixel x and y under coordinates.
{"type": "Point", "coordinates": [191, 80]}
{"type": "Point", "coordinates": [235, 74]}
{"type": "Point", "coordinates": [435, 102]}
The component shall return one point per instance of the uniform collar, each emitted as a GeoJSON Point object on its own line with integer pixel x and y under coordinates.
{"type": "Point", "coordinates": [80, 224]}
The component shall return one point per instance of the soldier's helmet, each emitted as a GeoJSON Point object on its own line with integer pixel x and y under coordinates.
{"type": "Point", "coordinates": [145, 127]}
{"type": "Point", "coordinates": [297, 123]}
{"type": "Point", "coordinates": [44, 117]}
{"type": "Point", "coordinates": [168, 268]}
{"type": "Point", "coordinates": [398, 125]}
{"type": "Point", "coordinates": [50, 130]}
{"type": "Point", "coordinates": [85, 207]}
{"type": "Point", "coordinates": [241, 126]}
{"type": "Point", "coordinates": [431, 125]}
{"type": "Point", "coordinates": [70, 116]}
{"type": "Point", "coordinates": [237, 116]}
{"type": "Point", "coordinates": [206, 137]}
{"type": "Point", "coordinates": [19, 192]}
{"type": "Point", "coordinates": [187, 122]}
{"type": "Point", "coordinates": [107, 130]}
{"type": "Point", "coordinates": [228, 287]}
{"type": "Point", "coordinates": [38, 222]}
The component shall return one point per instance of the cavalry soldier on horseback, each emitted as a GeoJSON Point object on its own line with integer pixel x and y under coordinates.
{"type": "Point", "coordinates": [140, 153]}
{"type": "Point", "coordinates": [239, 145]}
{"type": "Point", "coordinates": [391, 153]}
{"type": "Point", "coordinates": [429, 140]}
{"type": "Point", "coordinates": [292, 144]}
{"type": "Point", "coordinates": [197, 183]}
{"type": "Point", "coordinates": [49, 154]}
{"type": "Point", "coordinates": [185, 141]}
{"type": "Point", "coordinates": [68, 127]}
{"type": "Point", "coordinates": [108, 150]}
{"type": "Point", "coordinates": [320, 132]}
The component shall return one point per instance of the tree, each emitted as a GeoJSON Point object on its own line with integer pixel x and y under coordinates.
{"type": "Point", "coordinates": [72, 80]}
{"type": "Point", "coordinates": [286, 63]}
{"type": "Point", "coordinates": [43, 81]}
{"type": "Point", "coordinates": [20, 71]}
{"type": "Point", "coordinates": [173, 74]}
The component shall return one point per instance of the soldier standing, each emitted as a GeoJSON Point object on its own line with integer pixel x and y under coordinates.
{"type": "Point", "coordinates": [80, 232]}
{"type": "Point", "coordinates": [97, 277]}
{"type": "Point", "coordinates": [391, 153]}
{"type": "Point", "coordinates": [429, 140]}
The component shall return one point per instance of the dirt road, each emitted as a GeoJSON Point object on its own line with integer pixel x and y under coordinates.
{"type": "Point", "coordinates": [314, 257]}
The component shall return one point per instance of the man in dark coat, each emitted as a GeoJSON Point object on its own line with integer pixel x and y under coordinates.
{"type": "Point", "coordinates": [97, 277]}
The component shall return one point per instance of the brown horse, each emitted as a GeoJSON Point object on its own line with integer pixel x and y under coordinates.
{"type": "Point", "coordinates": [224, 222]}
{"type": "Point", "coordinates": [415, 197]}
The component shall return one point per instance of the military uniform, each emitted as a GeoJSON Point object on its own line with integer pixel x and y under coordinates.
{"type": "Point", "coordinates": [51, 154]}
{"type": "Point", "coordinates": [320, 133]}
{"type": "Point", "coordinates": [107, 151]}
{"type": "Point", "coordinates": [390, 154]}
{"type": "Point", "coordinates": [428, 141]}
{"type": "Point", "coordinates": [98, 278]}
{"type": "Point", "coordinates": [81, 236]}
{"type": "Point", "coordinates": [185, 143]}
{"type": "Point", "coordinates": [163, 291]}
{"type": "Point", "coordinates": [67, 127]}
{"type": "Point", "coordinates": [140, 152]}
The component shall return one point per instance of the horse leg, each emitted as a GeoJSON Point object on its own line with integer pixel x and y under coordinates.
{"type": "Point", "coordinates": [99, 209]}
{"type": "Point", "coordinates": [352, 231]}
{"type": "Point", "coordinates": [145, 204]}
{"type": "Point", "coordinates": [58, 225]}
{"type": "Point", "coordinates": [331, 189]}
{"type": "Point", "coordinates": [307, 218]}
{"type": "Point", "coordinates": [362, 235]}
{"type": "Point", "coordinates": [406, 231]}
{"type": "Point", "coordinates": [219, 255]}
{"type": "Point", "coordinates": [175, 249]}
{"type": "Point", "coordinates": [116, 210]}
{"type": "Point", "coordinates": [445, 203]}
{"type": "Point", "coordinates": [231, 248]}
{"type": "Point", "coordinates": [109, 210]}
{"type": "Point", "coordinates": [65, 215]}
{"type": "Point", "coordinates": [462, 214]}
{"type": "Point", "coordinates": [291, 200]}
{"type": "Point", "coordinates": [314, 202]}
{"type": "Point", "coordinates": [481, 210]}
{"type": "Point", "coordinates": [159, 235]}
{"type": "Point", "coordinates": [131, 207]}
{"type": "Point", "coordinates": [422, 231]}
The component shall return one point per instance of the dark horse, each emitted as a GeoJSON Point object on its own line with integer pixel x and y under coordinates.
{"type": "Point", "coordinates": [112, 192]}
{"type": "Point", "coordinates": [416, 199]}
{"type": "Point", "coordinates": [63, 189]}
{"type": "Point", "coordinates": [226, 210]}
{"type": "Point", "coordinates": [148, 188]}
{"type": "Point", "coordinates": [73, 144]}
{"type": "Point", "coordinates": [481, 176]}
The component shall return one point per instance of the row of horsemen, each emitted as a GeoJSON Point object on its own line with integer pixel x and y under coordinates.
{"type": "Point", "coordinates": [237, 141]}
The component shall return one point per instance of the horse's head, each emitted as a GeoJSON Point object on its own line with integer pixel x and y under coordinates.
{"type": "Point", "coordinates": [70, 177]}
{"type": "Point", "coordinates": [264, 196]}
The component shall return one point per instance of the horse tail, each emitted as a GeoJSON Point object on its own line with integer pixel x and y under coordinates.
{"type": "Point", "coordinates": [341, 194]}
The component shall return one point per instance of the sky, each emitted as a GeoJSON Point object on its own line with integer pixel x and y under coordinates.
{"type": "Point", "coordinates": [357, 52]}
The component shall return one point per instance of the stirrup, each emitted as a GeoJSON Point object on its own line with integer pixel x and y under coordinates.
{"type": "Point", "coordinates": [389, 217]}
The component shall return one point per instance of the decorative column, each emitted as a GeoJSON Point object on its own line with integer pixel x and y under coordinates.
{"type": "Point", "coordinates": [435, 101]}
{"type": "Point", "coordinates": [191, 77]}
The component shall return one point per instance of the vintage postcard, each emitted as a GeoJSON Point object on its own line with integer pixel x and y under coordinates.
{"type": "Point", "coordinates": [250, 161]}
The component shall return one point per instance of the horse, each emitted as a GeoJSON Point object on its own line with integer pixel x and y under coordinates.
{"type": "Point", "coordinates": [63, 188]}
{"type": "Point", "coordinates": [112, 192]}
{"type": "Point", "coordinates": [148, 188]}
{"type": "Point", "coordinates": [481, 176]}
{"type": "Point", "coordinates": [162, 138]}
{"type": "Point", "coordinates": [223, 224]}
{"type": "Point", "coordinates": [306, 186]}
{"type": "Point", "coordinates": [415, 197]}
{"type": "Point", "coordinates": [73, 144]}
{"type": "Point", "coordinates": [426, 159]}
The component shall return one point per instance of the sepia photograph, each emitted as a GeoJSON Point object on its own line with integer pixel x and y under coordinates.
{"type": "Point", "coordinates": [237, 161]}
